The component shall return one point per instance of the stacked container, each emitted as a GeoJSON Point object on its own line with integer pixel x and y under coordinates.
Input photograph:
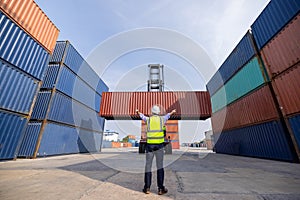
{"type": "Point", "coordinates": [247, 118]}
{"type": "Point", "coordinates": [65, 116]}
{"type": "Point", "coordinates": [24, 54]}
{"type": "Point", "coordinates": [279, 46]}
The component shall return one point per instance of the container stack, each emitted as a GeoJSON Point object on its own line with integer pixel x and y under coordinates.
{"type": "Point", "coordinates": [65, 116]}
{"type": "Point", "coordinates": [171, 132]}
{"type": "Point", "coordinates": [27, 38]}
{"type": "Point", "coordinates": [247, 119]}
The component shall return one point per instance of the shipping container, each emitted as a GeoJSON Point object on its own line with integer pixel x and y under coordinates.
{"type": "Point", "coordinates": [175, 145]}
{"type": "Point", "coordinates": [256, 107]}
{"type": "Point", "coordinates": [266, 140]}
{"type": "Point", "coordinates": [188, 105]}
{"type": "Point", "coordinates": [63, 109]}
{"type": "Point", "coordinates": [11, 133]}
{"type": "Point", "coordinates": [250, 77]}
{"type": "Point", "coordinates": [272, 19]}
{"type": "Point", "coordinates": [283, 51]}
{"type": "Point", "coordinates": [33, 20]}
{"type": "Point", "coordinates": [287, 89]}
{"type": "Point", "coordinates": [30, 139]}
{"type": "Point", "coordinates": [295, 126]}
{"type": "Point", "coordinates": [51, 75]}
{"type": "Point", "coordinates": [173, 136]}
{"type": "Point", "coordinates": [18, 90]}
{"type": "Point", "coordinates": [21, 50]}
{"type": "Point", "coordinates": [65, 53]}
{"type": "Point", "coordinates": [240, 55]}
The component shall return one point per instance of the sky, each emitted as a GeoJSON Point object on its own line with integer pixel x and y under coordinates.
{"type": "Point", "coordinates": [191, 38]}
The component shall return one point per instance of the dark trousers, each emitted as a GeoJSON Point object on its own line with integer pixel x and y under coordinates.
{"type": "Point", "coordinates": [156, 150]}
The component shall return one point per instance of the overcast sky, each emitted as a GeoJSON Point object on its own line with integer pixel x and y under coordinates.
{"type": "Point", "coordinates": [216, 26]}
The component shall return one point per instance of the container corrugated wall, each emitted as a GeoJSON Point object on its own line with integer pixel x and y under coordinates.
{"type": "Point", "coordinates": [287, 89]}
{"type": "Point", "coordinates": [11, 134]}
{"type": "Point", "coordinates": [30, 138]}
{"type": "Point", "coordinates": [266, 140]}
{"type": "Point", "coordinates": [50, 76]}
{"type": "Point", "coordinates": [21, 50]}
{"type": "Point", "coordinates": [256, 107]}
{"type": "Point", "coordinates": [17, 89]}
{"type": "Point", "coordinates": [33, 20]}
{"type": "Point", "coordinates": [295, 126]}
{"type": "Point", "coordinates": [60, 139]}
{"type": "Point", "coordinates": [247, 79]}
{"type": "Point", "coordinates": [241, 54]}
{"type": "Point", "coordinates": [273, 18]}
{"type": "Point", "coordinates": [188, 105]}
{"type": "Point", "coordinates": [283, 51]}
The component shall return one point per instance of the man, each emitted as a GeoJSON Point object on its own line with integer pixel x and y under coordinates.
{"type": "Point", "coordinates": [155, 147]}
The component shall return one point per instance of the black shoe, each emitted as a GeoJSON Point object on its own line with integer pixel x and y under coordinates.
{"type": "Point", "coordinates": [162, 191]}
{"type": "Point", "coordinates": [146, 190]}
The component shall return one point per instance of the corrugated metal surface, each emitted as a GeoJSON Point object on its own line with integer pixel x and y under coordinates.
{"type": "Point", "coordinates": [273, 18]}
{"type": "Point", "coordinates": [246, 80]}
{"type": "Point", "coordinates": [65, 53]}
{"type": "Point", "coordinates": [283, 51]}
{"type": "Point", "coordinates": [20, 49]}
{"type": "Point", "coordinates": [11, 132]}
{"type": "Point", "coordinates": [41, 105]}
{"type": "Point", "coordinates": [50, 76]}
{"type": "Point", "coordinates": [33, 20]}
{"type": "Point", "coordinates": [256, 107]}
{"type": "Point", "coordinates": [122, 105]}
{"type": "Point", "coordinates": [295, 125]}
{"type": "Point", "coordinates": [61, 139]}
{"type": "Point", "coordinates": [58, 139]}
{"type": "Point", "coordinates": [16, 88]}
{"type": "Point", "coordinates": [287, 89]}
{"type": "Point", "coordinates": [83, 93]}
{"type": "Point", "coordinates": [28, 144]}
{"type": "Point", "coordinates": [59, 52]}
{"type": "Point", "coordinates": [241, 54]}
{"type": "Point", "coordinates": [265, 140]}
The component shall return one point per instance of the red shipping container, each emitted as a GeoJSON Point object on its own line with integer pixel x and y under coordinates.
{"type": "Point", "coordinates": [175, 145]}
{"type": "Point", "coordinates": [188, 105]}
{"type": "Point", "coordinates": [283, 51]}
{"type": "Point", "coordinates": [28, 15]}
{"type": "Point", "coordinates": [287, 89]}
{"type": "Point", "coordinates": [256, 107]}
{"type": "Point", "coordinates": [173, 136]}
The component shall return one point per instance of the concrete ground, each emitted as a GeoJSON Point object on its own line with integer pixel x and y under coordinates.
{"type": "Point", "coordinates": [118, 174]}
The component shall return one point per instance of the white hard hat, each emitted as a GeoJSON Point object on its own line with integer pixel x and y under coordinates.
{"type": "Point", "coordinates": [155, 110]}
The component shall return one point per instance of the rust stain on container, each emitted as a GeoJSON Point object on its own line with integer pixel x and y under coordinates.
{"type": "Point", "coordinates": [254, 108]}
{"type": "Point", "coordinates": [283, 51]}
{"type": "Point", "coordinates": [287, 89]}
{"type": "Point", "coordinates": [28, 15]}
{"type": "Point", "coordinates": [189, 105]}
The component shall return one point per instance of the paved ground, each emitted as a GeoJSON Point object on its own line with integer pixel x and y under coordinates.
{"type": "Point", "coordinates": [118, 174]}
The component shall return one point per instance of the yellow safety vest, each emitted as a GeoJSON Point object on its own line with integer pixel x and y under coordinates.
{"type": "Point", "coordinates": [155, 133]}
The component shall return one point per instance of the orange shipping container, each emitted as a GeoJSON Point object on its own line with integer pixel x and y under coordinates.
{"type": "Point", "coordinates": [189, 105]}
{"type": "Point", "coordinates": [28, 15]}
{"type": "Point", "coordinates": [283, 51]}
{"type": "Point", "coordinates": [175, 145]}
{"type": "Point", "coordinates": [287, 89]}
{"type": "Point", "coordinates": [173, 136]}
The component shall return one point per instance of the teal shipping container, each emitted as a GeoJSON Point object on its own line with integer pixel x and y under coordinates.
{"type": "Point", "coordinates": [250, 77]}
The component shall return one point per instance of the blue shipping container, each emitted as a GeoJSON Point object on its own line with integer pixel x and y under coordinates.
{"type": "Point", "coordinates": [11, 133]}
{"type": "Point", "coordinates": [241, 54]}
{"type": "Point", "coordinates": [41, 105]}
{"type": "Point", "coordinates": [19, 49]}
{"type": "Point", "coordinates": [265, 140]}
{"type": "Point", "coordinates": [17, 89]}
{"type": "Point", "coordinates": [65, 53]}
{"type": "Point", "coordinates": [272, 19]}
{"type": "Point", "coordinates": [50, 76]}
{"type": "Point", "coordinates": [61, 139]}
{"type": "Point", "coordinates": [29, 142]}
{"type": "Point", "coordinates": [295, 125]}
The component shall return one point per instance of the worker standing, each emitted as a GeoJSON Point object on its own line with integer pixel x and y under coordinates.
{"type": "Point", "coordinates": [155, 147]}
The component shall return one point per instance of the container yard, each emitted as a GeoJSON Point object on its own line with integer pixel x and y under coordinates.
{"type": "Point", "coordinates": [54, 107]}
